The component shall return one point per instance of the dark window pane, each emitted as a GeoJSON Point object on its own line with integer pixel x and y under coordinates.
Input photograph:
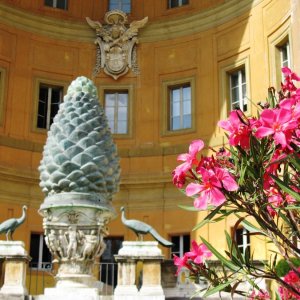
{"type": "Point", "coordinates": [173, 3]}
{"type": "Point", "coordinates": [113, 245]}
{"type": "Point", "coordinates": [234, 79]}
{"type": "Point", "coordinates": [34, 247]}
{"type": "Point", "coordinates": [49, 3]}
{"type": "Point", "coordinates": [41, 122]}
{"type": "Point", "coordinates": [47, 258]}
{"type": "Point", "coordinates": [42, 107]}
{"type": "Point", "coordinates": [177, 3]}
{"type": "Point", "coordinates": [62, 4]}
{"type": "Point", "coordinates": [186, 243]}
{"type": "Point", "coordinates": [239, 236]}
{"type": "Point", "coordinates": [176, 243]}
{"type": "Point", "coordinates": [235, 94]}
{"type": "Point", "coordinates": [43, 93]}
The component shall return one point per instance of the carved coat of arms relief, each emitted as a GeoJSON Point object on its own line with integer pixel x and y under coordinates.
{"type": "Point", "coordinates": [116, 44]}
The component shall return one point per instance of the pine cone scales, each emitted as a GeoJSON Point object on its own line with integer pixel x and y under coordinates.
{"type": "Point", "coordinates": [79, 155]}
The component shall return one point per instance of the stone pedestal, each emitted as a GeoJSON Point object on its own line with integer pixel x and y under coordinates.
{"type": "Point", "coordinates": [15, 260]}
{"type": "Point", "coordinates": [75, 226]}
{"type": "Point", "coordinates": [129, 255]}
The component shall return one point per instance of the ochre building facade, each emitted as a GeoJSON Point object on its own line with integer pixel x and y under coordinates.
{"type": "Point", "coordinates": [203, 54]}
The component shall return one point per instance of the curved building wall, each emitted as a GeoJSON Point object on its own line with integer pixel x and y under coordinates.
{"type": "Point", "coordinates": [201, 44]}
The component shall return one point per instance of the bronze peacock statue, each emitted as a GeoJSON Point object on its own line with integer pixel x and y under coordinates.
{"type": "Point", "coordinates": [9, 226]}
{"type": "Point", "coordinates": [140, 228]}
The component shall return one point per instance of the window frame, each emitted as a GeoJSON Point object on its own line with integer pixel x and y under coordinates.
{"type": "Point", "coordinates": [66, 5]}
{"type": "Point", "coordinates": [245, 237]}
{"type": "Point", "coordinates": [181, 251]}
{"type": "Point", "coordinates": [42, 244]}
{"type": "Point", "coordinates": [275, 41]}
{"type": "Point", "coordinates": [121, 2]}
{"type": "Point", "coordinates": [279, 60]}
{"type": "Point", "coordinates": [37, 83]}
{"type": "Point", "coordinates": [225, 69]}
{"type": "Point", "coordinates": [113, 88]}
{"type": "Point", "coordinates": [241, 98]}
{"type": "Point", "coordinates": [179, 4]}
{"type": "Point", "coordinates": [116, 119]}
{"type": "Point", "coordinates": [167, 85]}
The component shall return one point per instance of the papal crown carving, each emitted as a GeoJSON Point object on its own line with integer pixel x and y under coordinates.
{"type": "Point", "coordinates": [116, 44]}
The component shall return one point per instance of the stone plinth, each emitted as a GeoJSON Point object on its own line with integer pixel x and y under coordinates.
{"type": "Point", "coordinates": [151, 257]}
{"type": "Point", "coordinates": [15, 259]}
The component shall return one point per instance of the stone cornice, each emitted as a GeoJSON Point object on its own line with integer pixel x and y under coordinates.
{"type": "Point", "coordinates": [123, 152]}
{"type": "Point", "coordinates": [155, 31]}
{"type": "Point", "coordinates": [32, 178]}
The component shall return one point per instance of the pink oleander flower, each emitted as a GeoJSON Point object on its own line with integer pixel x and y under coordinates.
{"type": "Point", "coordinates": [277, 158]}
{"type": "Point", "coordinates": [292, 279]}
{"type": "Point", "coordinates": [189, 160]}
{"type": "Point", "coordinates": [210, 189]}
{"type": "Point", "coordinates": [288, 84]}
{"type": "Point", "coordinates": [226, 179]}
{"type": "Point", "coordinates": [239, 131]}
{"type": "Point", "coordinates": [180, 262]}
{"type": "Point", "coordinates": [261, 295]}
{"type": "Point", "coordinates": [179, 177]}
{"type": "Point", "coordinates": [198, 253]}
{"type": "Point", "coordinates": [279, 123]}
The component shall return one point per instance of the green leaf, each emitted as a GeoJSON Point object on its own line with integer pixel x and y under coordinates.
{"type": "Point", "coordinates": [277, 297]}
{"type": "Point", "coordinates": [225, 261]}
{"type": "Point", "coordinates": [285, 188]}
{"type": "Point", "coordinates": [201, 224]}
{"type": "Point", "coordinates": [217, 288]}
{"type": "Point", "coordinates": [208, 218]}
{"type": "Point", "coordinates": [251, 228]}
{"type": "Point", "coordinates": [187, 207]}
{"type": "Point", "coordinates": [295, 161]}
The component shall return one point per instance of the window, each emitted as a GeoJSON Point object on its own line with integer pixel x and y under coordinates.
{"type": "Point", "coordinates": [124, 5]}
{"type": "Point", "coordinates": [242, 238]}
{"type": "Point", "coordinates": [50, 97]}
{"type": "Point", "coordinates": [238, 90]}
{"type": "Point", "coordinates": [180, 107]}
{"type": "Point", "coordinates": [109, 268]}
{"type": "Point", "coordinates": [181, 244]}
{"type": "Point", "coordinates": [178, 111]}
{"type": "Point", "coordinates": [61, 4]}
{"type": "Point", "coordinates": [285, 55]}
{"type": "Point", "coordinates": [177, 3]}
{"type": "Point", "coordinates": [116, 110]}
{"type": "Point", "coordinates": [39, 252]}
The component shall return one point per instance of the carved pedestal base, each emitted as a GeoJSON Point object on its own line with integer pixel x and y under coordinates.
{"type": "Point", "coordinates": [74, 236]}
{"type": "Point", "coordinates": [15, 261]}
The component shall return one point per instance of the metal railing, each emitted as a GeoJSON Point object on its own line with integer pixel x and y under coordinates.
{"type": "Point", "coordinates": [41, 276]}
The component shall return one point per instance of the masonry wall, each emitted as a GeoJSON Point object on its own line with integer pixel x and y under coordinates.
{"type": "Point", "coordinates": [200, 41]}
